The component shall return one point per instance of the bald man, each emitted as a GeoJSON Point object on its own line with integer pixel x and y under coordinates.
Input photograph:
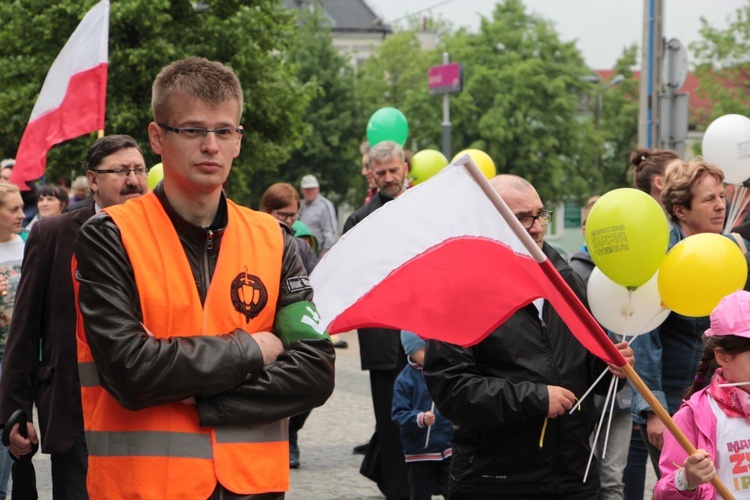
{"type": "Point", "coordinates": [508, 396]}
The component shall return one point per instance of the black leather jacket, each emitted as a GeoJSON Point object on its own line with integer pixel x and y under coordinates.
{"type": "Point", "coordinates": [495, 393]}
{"type": "Point", "coordinates": [224, 373]}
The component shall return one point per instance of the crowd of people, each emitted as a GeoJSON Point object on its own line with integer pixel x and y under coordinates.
{"type": "Point", "coordinates": [170, 343]}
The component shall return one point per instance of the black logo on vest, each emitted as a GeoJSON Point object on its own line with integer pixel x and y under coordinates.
{"type": "Point", "coordinates": [249, 295]}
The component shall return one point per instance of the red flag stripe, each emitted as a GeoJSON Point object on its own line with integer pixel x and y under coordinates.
{"type": "Point", "coordinates": [77, 115]}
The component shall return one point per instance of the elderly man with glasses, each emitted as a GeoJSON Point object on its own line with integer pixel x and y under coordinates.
{"type": "Point", "coordinates": [509, 396]}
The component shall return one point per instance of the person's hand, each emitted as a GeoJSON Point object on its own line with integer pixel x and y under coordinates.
{"type": "Point", "coordinates": [560, 400]}
{"type": "Point", "coordinates": [429, 418]}
{"type": "Point", "coordinates": [699, 469]}
{"type": "Point", "coordinates": [270, 345]}
{"type": "Point", "coordinates": [655, 430]}
{"type": "Point", "coordinates": [3, 285]}
{"type": "Point", "coordinates": [627, 353]}
{"type": "Point", "coordinates": [19, 445]}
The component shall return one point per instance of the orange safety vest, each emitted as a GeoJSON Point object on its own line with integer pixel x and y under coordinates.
{"type": "Point", "coordinates": [161, 451]}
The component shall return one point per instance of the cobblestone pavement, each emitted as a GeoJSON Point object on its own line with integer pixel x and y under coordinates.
{"type": "Point", "coordinates": [329, 470]}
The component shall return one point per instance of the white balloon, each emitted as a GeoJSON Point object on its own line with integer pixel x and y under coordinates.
{"type": "Point", "coordinates": [726, 144]}
{"type": "Point", "coordinates": [623, 312]}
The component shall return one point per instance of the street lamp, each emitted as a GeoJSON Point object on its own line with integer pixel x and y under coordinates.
{"type": "Point", "coordinates": [616, 80]}
{"type": "Point", "coordinates": [602, 87]}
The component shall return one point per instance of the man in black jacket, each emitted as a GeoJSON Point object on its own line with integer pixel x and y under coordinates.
{"type": "Point", "coordinates": [185, 298]}
{"type": "Point", "coordinates": [380, 348]}
{"type": "Point", "coordinates": [509, 395]}
{"type": "Point", "coordinates": [40, 365]}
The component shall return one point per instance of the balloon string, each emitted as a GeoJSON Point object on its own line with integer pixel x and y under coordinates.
{"type": "Point", "coordinates": [601, 376]}
{"type": "Point", "coordinates": [611, 413]}
{"type": "Point", "coordinates": [629, 311]}
{"type": "Point", "coordinates": [578, 406]}
{"type": "Point", "coordinates": [591, 388]}
{"type": "Point", "coordinates": [729, 216]}
{"type": "Point", "coordinates": [738, 203]}
{"type": "Point", "coordinates": [598, 429]}
{"type": "Point", "coordinates": [643, 328]}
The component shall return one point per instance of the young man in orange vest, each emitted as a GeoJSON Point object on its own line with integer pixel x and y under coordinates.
{"type": "Point", "coordinates": [198, 335]}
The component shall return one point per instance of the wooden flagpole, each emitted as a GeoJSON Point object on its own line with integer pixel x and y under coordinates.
{"type": "Point", "coordinates": [587, 319]}
{"type": "Point", "coordinates": [663, 415]}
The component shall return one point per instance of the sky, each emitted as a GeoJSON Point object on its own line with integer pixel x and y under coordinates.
{"type": "Point", "coordinates": [602, 28]}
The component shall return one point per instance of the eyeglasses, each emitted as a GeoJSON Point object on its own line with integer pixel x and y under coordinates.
{"type": "Point", "coordinates": [140, 172]}
{"type": "Point", "coordinates": [282, 216]}
{"type": "Point", "coordinates": [224, 134]}
{"type": "Point", "coordinates": [544, 217]}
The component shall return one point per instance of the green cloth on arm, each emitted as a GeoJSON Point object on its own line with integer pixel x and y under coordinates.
{"type": "Point", "coordinates": [300, 321]}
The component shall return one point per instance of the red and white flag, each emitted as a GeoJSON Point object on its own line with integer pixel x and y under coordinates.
{"type": "Point", "coordinates": [73, 97]}
{"type": "Point", "coordinates": [448, 261]}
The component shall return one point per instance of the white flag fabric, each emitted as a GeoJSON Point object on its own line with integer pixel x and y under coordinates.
{"type": "Point", "coordinates": [73, 97]}
{"type": "Point", "coordinates": [442, 261]}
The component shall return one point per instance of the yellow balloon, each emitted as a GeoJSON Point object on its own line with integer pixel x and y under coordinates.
{"type": "Point", "coordinates": [699, 271]}
{"type": "Point", "coordinates": [155, 174]}
{"type": "Point", "coordinates": [482, 159]}
{"type": "Point", "coordinates": [425, 164]}
{"type": "Point", "coordinates": [627, 235]}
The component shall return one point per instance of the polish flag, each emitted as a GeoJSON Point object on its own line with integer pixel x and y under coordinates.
{"type": "Point", "coordinates": [72, 100]}
{"type": "Point", "coordinates": [449, 261]}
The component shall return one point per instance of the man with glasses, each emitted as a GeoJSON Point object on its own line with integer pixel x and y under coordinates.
{"type": "Point", "coordinates": [509, 396]}
{"type": "Point", "coordinates": [197, 336]}
{"type": "Point", "coordinates": [318, 214]}
{"type": "Point", "coordinates": [40, 364]}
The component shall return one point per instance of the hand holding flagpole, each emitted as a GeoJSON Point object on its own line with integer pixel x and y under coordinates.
{"type": "Point", "coordinates": [595, 339]}
{"type": "Point", "coordinates": [407, 247]}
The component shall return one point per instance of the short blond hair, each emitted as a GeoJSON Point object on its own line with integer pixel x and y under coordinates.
{"type": "Point", "coordinates": [679, 180]}
{"type": "Point", "coordinates": [5, 188]}
{"type": "Point", "coordinates": [197, 77]}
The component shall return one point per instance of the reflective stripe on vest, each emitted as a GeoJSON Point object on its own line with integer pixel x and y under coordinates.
{"type": "Point", "coordinates": [162, 451]}
{"type": "Point", "coordinates": [181, 444]}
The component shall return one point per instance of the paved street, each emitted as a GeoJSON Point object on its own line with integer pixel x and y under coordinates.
{"type": "Point", "coordinates": [329, 469]}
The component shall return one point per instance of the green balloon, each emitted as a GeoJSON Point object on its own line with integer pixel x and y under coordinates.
{"type": "Point", "coordinates": [387, 124]}
{"type": "Point", "coordinates": [425, 164]}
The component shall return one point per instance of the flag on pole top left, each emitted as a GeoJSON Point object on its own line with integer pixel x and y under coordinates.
{"type": "Point", "coordinates": [72, 101]}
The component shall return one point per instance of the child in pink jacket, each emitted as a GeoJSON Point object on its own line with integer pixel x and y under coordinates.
{"type": "Point", "coordinates": [715, 418]}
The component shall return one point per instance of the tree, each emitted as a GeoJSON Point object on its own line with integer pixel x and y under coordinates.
{"type": "Point", "coordinates": [519, 104]}
{"type": "Point", "coordinates": [722, 61]}
{"type": "Point", "coordinates": [396, 75]}
{"type": "Point", "coordinates": [250, 36]}
{"type": "Point", "coordinates": [329, 147]}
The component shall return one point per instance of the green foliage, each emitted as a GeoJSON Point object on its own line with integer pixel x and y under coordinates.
{"type": "Point", "coordinates": [722, 61]}
{"type": "Point", "coordinates": [330, 146]}
{"type": "Point", "coordinates": [520, 100]}
{"type": "Point", "coordinates": [251, 36]}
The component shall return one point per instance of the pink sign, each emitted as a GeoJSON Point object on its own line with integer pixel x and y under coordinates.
{"type": "Point", "coordinates": [445, 78]}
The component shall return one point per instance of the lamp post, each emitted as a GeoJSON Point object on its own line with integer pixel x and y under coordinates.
{"type": "Point", "coordinates": [617, 80]}
{"type": "Point", "coordinates": [601, 88]}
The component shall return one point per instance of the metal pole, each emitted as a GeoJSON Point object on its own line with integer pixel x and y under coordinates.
{"type": "Point", "coordinates": [648, 118]}
{"type": "Point", "coordinates": [643, 100]}
{"type": "Point", "coordinates": [446, 118]}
